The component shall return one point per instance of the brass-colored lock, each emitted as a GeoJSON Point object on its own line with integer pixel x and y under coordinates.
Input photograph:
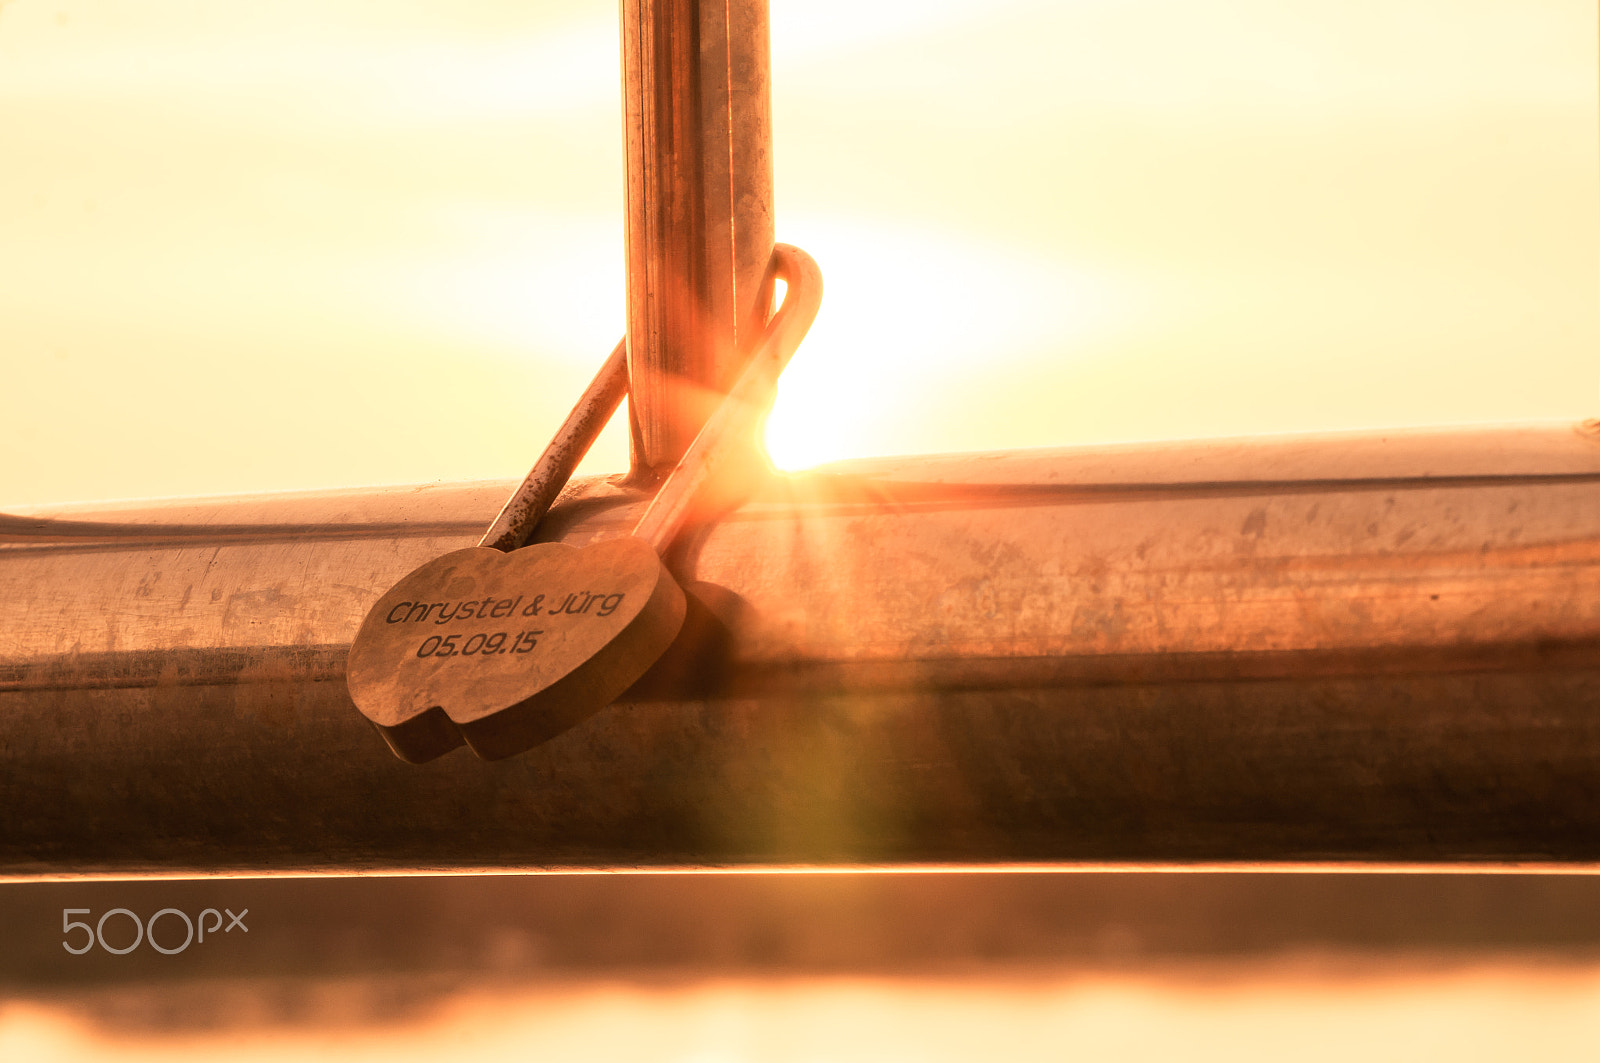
{"type": "Point", "coordinates": [503, 646]}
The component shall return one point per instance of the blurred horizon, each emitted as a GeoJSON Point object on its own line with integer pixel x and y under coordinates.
{"type": "Point", "coordinates": [926, 966]}
{"type": "Point", "coordinates": [299, 246]}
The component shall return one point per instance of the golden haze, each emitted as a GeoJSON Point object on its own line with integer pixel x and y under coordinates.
{"type": "Point", "coordinates": [252, 247]}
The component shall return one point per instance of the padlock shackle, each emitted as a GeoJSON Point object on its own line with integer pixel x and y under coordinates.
{"type": "Point", "coordinates": [727, 442]}
{"type": "Point", "coordinates": [528, 504]}
{"type": "Point", "coordinates": [716, 446]}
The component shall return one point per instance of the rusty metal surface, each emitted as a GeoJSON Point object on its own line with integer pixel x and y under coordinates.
{"type": "Point", "coordinates": [697, 132]}
{"type": "Point", "coordinates": [539, 489]}
{"type": "Point", "coordinates": [1377, 648]}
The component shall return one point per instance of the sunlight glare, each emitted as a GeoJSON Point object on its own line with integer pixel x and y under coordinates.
{"type": "Point", "coordinates": [907, 309]}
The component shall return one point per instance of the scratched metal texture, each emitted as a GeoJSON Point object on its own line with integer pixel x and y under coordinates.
{"type": "Point", "coordinates": [1371, 648]}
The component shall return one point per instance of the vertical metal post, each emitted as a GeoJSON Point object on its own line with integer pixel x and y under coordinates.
{"type": "Point", "coordinates": [698, 132]}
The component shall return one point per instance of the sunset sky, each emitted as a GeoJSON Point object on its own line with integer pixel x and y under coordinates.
{"type": "Point", "coordinates": [317, 243]}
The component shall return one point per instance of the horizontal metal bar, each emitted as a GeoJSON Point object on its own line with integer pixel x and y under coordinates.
{"type": "Point", "coordinates": [980, 659]}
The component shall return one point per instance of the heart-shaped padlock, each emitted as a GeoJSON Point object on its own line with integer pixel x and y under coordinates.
{"type": "Point", "coordinates": [502, 647]}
